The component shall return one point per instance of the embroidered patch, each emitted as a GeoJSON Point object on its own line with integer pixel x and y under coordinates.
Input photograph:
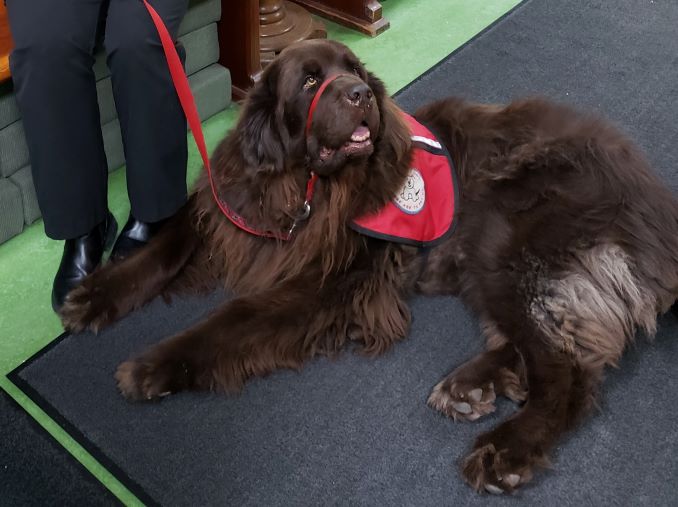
{"type": "Point", "coordinates": [412, 196]}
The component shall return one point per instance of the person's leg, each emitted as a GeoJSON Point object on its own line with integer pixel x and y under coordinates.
{"type": "Point", "coordinates": [56, 91]}
{"type": "Point", "coordinates": [55, 88]}
{"type": "Point", "coordinates": [151, 119]}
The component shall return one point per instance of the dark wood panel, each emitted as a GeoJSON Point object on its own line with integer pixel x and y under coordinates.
{"type": "Point", "coordinates": [5, 43]}
{"type": "Point", "coordinates": [363, 15]}
{"type": "Point", "coordinates": [239, 43]}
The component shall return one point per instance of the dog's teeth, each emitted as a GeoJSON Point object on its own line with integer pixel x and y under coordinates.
{"type": "Point", "coordinates": [359, 138]}
{"type": "Point", "coordinates": [462, 407]}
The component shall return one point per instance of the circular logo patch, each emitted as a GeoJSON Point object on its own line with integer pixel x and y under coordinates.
{"type": "Point", "coordinates": [412, 196]}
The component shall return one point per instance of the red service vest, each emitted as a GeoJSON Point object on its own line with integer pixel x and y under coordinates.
{"type": "Point", "coordinates": [422, 213]}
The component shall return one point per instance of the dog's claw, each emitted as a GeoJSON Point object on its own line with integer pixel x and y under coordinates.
{"type": "Point", "coordinates": [491, 488]}
{"type": "Point", "coordinates": [476, 394]}
{"type": "Point", "coordinates": [462, 407]}
{"type": "Point", "coordinates": [512, 480]}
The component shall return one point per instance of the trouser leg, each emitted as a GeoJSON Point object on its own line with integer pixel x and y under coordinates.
{"type": "Point", "coordinates": [55, 88]}
{"type": "Point", "coordinates": [151, 119]}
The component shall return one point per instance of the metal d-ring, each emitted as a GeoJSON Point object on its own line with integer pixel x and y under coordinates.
{"type": "Point", "coordinates": [302, 216]}
{"type": "Point", "coordinates": [306, 212]}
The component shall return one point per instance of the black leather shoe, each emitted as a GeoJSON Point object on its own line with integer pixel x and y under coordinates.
{"type": "Point", "coordinates": [81, 256]}
{"type": "Point", "coordinates": [133, 236]}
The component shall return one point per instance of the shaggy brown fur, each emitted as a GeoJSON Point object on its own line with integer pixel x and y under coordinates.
{"type": "Point", "coordinates": [567, 244]}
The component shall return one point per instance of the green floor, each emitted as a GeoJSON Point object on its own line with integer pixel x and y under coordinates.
{"type": "Point", "coordinates": [421, 34]}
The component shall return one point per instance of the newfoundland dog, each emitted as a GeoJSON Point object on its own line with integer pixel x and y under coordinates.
{"type": "Point", "coordinates": [563, 242]}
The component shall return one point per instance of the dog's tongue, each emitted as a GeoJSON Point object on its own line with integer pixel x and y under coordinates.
{"type": "Point", "coordinates": [360, 134]}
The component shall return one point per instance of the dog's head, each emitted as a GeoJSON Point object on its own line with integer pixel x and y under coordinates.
{"type": "Point", "coordinates": [347, 119]}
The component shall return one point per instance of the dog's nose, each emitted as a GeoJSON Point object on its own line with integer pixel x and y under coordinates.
{"type": "Point", "coordinates": [358, 94]}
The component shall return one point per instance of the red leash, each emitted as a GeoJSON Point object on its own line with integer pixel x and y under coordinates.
{"type": "Point", "coordinates": [188, 105]}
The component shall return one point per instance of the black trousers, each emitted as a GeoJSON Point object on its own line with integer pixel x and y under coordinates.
{"type": "Point", "coordinates": [55, 88]}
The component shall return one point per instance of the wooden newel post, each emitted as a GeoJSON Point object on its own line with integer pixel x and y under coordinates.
{"type": "Point", "coordinates": [282, 23]}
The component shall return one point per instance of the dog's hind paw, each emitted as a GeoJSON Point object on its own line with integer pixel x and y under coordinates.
{"type": "Point", "coordinates": [494, 471]}
{"type": "Point", "coordinates": [462, 402]}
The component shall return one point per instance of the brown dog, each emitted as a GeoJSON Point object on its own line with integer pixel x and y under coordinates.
{"type": "Point", "coordinates": [566, 244]}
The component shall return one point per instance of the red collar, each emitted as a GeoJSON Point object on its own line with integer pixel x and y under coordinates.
{"type": "Point", "coordinates": [305, 212]}
{"type": "Point", "coordinates": [187, 102]}
{"type": "Point", "coordinates": [240, 221]}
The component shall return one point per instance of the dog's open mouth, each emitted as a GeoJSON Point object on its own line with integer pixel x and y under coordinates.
{"type": "Point", "coordinates": [359, 143]}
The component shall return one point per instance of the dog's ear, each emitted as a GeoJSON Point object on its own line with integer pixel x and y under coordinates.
{"type": "Point", "coordinates": [259, 132]}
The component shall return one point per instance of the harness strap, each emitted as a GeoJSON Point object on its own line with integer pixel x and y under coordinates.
{"type": "Point", "coordinates": [316, 99]}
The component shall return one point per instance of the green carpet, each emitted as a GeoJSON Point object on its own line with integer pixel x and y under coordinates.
{"type": "Point", "coordinates": [421, 34]}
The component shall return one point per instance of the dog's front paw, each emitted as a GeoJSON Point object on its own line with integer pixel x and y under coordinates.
{"type": "Point", "coordinates": [461, 401]}
{"type": "Point", "coordinates": [150, 377]}
{"type": "Point", "coordinates": [87, 307]}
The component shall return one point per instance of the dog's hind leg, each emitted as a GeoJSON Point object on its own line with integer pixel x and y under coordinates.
{"type": "Point", "coordinates": [567, 328]}
{"type": "Point", "coordinates": [118, 288]}
{"type": "Point", "coordinates": [254, 335]}
{"type": "Point", "coordinates": [560, 393]}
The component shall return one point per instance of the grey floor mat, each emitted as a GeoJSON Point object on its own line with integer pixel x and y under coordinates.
{"type": "Point", "coordinates": [356, 431]}
{"type": "Point", "coordinates": [35, 470]}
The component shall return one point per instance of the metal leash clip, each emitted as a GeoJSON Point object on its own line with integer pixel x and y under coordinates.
{"type": "Point", "coordinates": [306, 212]}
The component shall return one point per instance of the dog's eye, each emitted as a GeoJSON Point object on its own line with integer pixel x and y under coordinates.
{"type": "Point", "coordinates": [356, 70]}
{"type": "Point", "coordinates": [310, 82]}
